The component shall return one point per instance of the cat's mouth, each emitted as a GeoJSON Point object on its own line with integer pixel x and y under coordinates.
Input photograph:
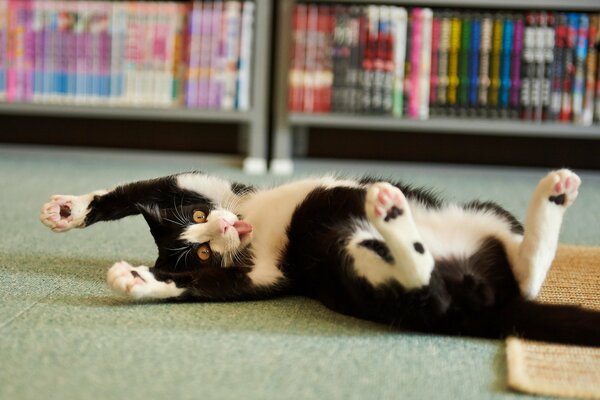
{"type": "Point", "coordinates": [243, 228]}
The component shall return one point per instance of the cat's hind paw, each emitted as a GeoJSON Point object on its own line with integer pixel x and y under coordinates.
{"type": "Point", "coordinates": [64, 212]}
{"type": "Point", "coordinates": [139, 283]}
{"type": "Point", "coordinates": [560, 187]}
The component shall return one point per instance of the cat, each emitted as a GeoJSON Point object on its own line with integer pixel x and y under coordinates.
{"type": "Point", "coordinates": [372, 249]}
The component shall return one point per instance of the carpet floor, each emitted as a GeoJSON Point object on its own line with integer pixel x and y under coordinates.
{"type": "Point", "coordinates": [64, 335]}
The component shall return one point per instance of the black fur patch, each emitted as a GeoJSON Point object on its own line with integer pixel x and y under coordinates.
{"type": "Point", "coordinates": [378, 247]}
{"type": "Point", "coordinates": [558, 200]}
{"type": "Point", "coordinates": [240, 188]}
{"type": "Point", "coordinates": [419, 247]}
{"type": "Point", "coordinates": [393, 213]}
{"type": "Point", "coordinates": [515, 225]}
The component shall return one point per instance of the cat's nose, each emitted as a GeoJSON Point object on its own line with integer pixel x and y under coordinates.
{"type": "Point", "coordinates": [224, 226]}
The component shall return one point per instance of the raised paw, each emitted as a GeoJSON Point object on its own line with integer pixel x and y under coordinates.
{"type": "Point", "coordinates": [64, 212]}
{"type": "Point", "coordinates": [561, 187]}
{"type": "Point", "coordinates": [139, 282]}
{"type": "Point", "coordinates": [385, 202]}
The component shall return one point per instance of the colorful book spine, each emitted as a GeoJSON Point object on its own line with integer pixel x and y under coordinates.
{"type": "Point", "coordinates": [453, 53]}
{"type": "Point", "coordinates": [505, 65]}
{"type": "Point", "coordinates": [528, 66]}
{"type": "Point", "coordinates": [548, 57]}
{"type": "Point", "coordinates": [443, 61]}
{"type": "Point", "coordinates": [193, 71]}
{"type": "Point", "coordinates": [580, 62]}
{"type": "Point", "coordinates": [205, 54]}
{"type": "Point", "coordinates": [296, 76]}
{"type": "Point", "coordinates": [566, 111]}
{"type": "Point", "coordinates": [232, 29]}
{"type": "Point", "coordinates": [246, 43]}
{"type": "Point", "coordinates": [515, 69]}
{"type": "Point", "coordinates": [416, 42]}
{"type": "Point", "coordinates": [591, 71]}
{"type": "Point", "coordinates": [560, 38]}
{"type": "Point", "coordinates": [37, 37]}
{"type": "Point", "coordinates": [381, 24]}
{"type": "Point", "coordinates": [354, 65]}
{"type": "Point", "coordinates": [400, 21]}
{"type": "Point", "coordinates": [3, 47]}
{"type": "Point", "coordinates": [474, 55]}
{"type": "Point", "coordinates": [340, 54]}
{"type": "Point", "coordinates": [495, 60]}
{"type": "Point", "coordinates": [425, 64]}
{"type": "Point", "coordinates": [311, 58]}
{"type": "Point", "coordinates": [484, 63]}
{"type": "Point", "coordinates": [435, 48]}
{"type": "Point", "coordinates": [388, 65]}
{"type": "Point", "coordinates": [463, 64]}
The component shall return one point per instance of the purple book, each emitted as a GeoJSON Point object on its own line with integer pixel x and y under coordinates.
{"type": "Point", "coordinates": [205, 55]}
{"type": "Point", "coordinates": [515, 87]}
{"type": "Point", "coordinates": [215, 84]}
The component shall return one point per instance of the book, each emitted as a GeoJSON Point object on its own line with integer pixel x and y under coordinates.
{"type": "Point", "coordinates": [580, 63]}
{"type": "Point", "coordinates": [587, 115]}
{"type": "Point", "coordinates": [566, 111]}
{"type": "Point", "coordinates": [560, 38]}
{"type": "Point", "coordinates": [484, 63]}
{"type": "Point", "coordinates": [515, 79]}
{"type": "Point", "coordinates": [246, 45]}
{"type": "Point", "coordinates": [495, 61]}
{"type": "Point", "coordinates": [505, 66]}
{"type": "Point", "coordinates": [473, 71]}
{"type": "Point", "coordinates": [528, 66]}
{"type": "Point", "coordinates": [453, 53]}
{"type": "Point", "coordinates": [443, 61]}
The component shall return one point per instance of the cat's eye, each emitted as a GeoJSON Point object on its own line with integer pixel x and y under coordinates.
{"type": "Point", "coordinates": [199, 217]}
{"type": "Point", "coordinates": [204, 252]}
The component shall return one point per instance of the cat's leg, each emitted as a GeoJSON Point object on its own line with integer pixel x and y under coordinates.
{"type": "Point", "coordinates": [65, 212]}
{"type": "Point", "coordinates": [139, 283]}
{"type": "Point", "coordinates": [388, 211]}
{"type": "Point", "coordinates": [204, 284]}
{"type": "Point", "coordinates": [532, 257]}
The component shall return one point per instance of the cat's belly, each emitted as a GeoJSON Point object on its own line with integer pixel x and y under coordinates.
{"type": "Point", "coordinates": [453, 232]}
{"type": "Point", "coordinates": [270, 213]}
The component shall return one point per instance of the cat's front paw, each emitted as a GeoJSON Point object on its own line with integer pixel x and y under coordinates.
{"type": "Point", "coordinates": [560, 187]}
{"type": "Point", "coordinates": [139, 283]}
{"type": "Point", "coordinates": [126, 280]}
{"type": "Point", "coordinates": [65, 212]}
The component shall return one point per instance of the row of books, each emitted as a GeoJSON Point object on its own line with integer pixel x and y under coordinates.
{"type": "Point", "coordinates": [419, 62]}
{"type": "Point", "coordinates": [142, 53]}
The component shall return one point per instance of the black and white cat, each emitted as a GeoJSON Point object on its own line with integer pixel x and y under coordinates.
{"type": "Point", "coordinates": [377, 250]}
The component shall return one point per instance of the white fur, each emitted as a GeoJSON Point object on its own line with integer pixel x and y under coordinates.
{"type": "Point", "coordinates": [412, 269]}
{"type": "Point", "coordinates": [121, 281]}
{"type": "Point", "coordinates": [270, 213]}
{"type": "Point", "coordinates": [216, 189]}
{"type": "Point", "coordinates": [368, 264]}
{"type": "Point", "coordinates": [455, 232]}
{"type": "Point", "coordinates": [533, 257]}
{"type": "Point", "coordinates": [50, 214]}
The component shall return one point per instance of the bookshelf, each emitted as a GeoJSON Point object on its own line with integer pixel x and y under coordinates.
{"type": "Point", "coordinates": [290, 127]}
{"type": "Point", "coordinates": [252, 123]}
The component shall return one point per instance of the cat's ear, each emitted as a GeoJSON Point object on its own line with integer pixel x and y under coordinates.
{"type": "Point", "coordinates": [152, 215]}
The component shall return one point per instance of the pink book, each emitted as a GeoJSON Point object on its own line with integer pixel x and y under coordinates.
{"type": "Point", "coordinates": [193, 57]}
{"type": "Point", "coordinates": [14, 47]}
{"type": "Point", "coordinates": [215, 84]}
{"type": "Point", "coordinates": [415, 61]}
{"type": "Point", "coordinates": [28, 50]}
{"type": "Point", "coordinates": [435, 45]}
{"type": "Point", "coordinates": [205, 54]}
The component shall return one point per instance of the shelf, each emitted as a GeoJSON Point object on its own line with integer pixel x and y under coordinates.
{"type": "Point", "coordinates": [469, 126]}
{"type": "Point", "coordinates": [124, 112]}
{"type": "Point", "coordinates": [559, 5]}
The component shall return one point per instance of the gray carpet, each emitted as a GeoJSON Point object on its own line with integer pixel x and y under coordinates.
{"type": "Point", "coordinates": [64, 335]}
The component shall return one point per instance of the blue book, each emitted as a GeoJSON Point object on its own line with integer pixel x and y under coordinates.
{"type": "Point", "coordinates": [505, 61]}
{"type": "Point", "coordinates": [474, 60]}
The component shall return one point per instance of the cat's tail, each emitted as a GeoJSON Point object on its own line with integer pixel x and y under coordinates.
{"type": "Point", "coordinates": [549, 322]}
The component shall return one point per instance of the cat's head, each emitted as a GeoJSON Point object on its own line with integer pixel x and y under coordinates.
{"type": "Point", "coordinates": [197, 235]}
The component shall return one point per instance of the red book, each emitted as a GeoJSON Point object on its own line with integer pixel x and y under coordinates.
{"type": "Point", "coordinates": [310, 66]}
{"type": "Point", "coordinates": [323, 74]}
{"type": "Point", "coordinates": [298, 54]}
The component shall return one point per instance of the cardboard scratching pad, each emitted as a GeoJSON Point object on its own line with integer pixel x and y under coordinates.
{"type": "Point", "coordinates": [560, 370]}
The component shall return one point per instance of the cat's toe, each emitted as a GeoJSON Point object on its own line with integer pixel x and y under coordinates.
{"type": "Point", "coordinates": [561, 187]}
{"type": "Point", "coordinates": [385, 202]}
{"type": "Point", "coordinates": [126, 280]}
{"type": "Point", "coordinates": [60, 213]}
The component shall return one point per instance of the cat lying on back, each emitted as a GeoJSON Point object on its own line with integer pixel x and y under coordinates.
{"type": "Point", "coordinates": [382, 251]}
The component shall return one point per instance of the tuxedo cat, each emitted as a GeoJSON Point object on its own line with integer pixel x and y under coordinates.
{"type": "Point", "coordinates": [377, 250]}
